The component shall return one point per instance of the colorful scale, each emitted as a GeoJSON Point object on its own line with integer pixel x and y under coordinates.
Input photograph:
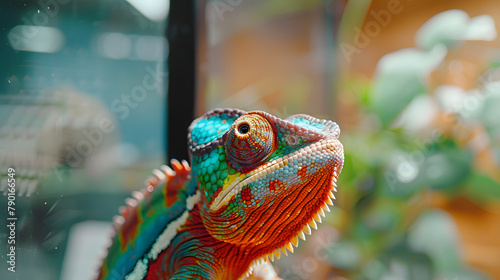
{"type": "Point", "coordinates": [258, 183]}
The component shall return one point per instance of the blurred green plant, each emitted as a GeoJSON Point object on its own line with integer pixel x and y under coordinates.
{"type": "Point", "coordinates": [420, 139]}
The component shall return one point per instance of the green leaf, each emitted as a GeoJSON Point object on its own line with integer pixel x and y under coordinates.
{"type": "Point", "coordinates": [374, 269]}
{"type": "Point", "coordinates": [453, 26]}
{"type": "Point", "coordinates": [399, 262]}
{"type": "Point", "coordinates": [447, 168]}
{"type": "Point", "coordinates": [383, 216]}
{"type": "Point", "coordinates": [401, 178]}
{"type": "Point", "coordinates": [481, 188]}
{"type": "Point", "coordinates": [400, 77]}
{"type": "Point", "coordinates": [359, 87]}
{"type": "Point", "coordinates": [418, 115]}
{"type": "Point", "coordinates": [489, 113]}
{"type": "Point", "coordinates": [463, 273]}
{"type": "Point", "coordinates": [434, 233]}
{"type": "Point", "coordinates": [441, 166]}
{"type": "Point", "coordinates": [344, 255]}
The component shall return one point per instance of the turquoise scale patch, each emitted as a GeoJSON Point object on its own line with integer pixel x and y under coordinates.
{"type": "Point", "coordinates": [208, 130]}
{"type": "Point", "coordinates": [307, 124]}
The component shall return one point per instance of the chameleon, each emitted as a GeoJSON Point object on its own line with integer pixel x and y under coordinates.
{"type": "Point", "coordinates": [256, 184]}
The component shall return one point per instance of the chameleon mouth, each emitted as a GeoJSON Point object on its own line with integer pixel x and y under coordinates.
{"type": "Point", "coordinates": [328, 145]}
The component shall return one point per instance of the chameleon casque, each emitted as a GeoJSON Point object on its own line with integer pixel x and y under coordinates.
{"type": "Point", "coordinates": [257, 183]}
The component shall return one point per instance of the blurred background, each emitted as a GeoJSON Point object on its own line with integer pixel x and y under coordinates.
{"type": "Point", "coordinates": [95, 94]}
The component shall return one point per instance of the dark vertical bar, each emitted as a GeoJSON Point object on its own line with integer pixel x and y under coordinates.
{"type": "Point", "coordinates": [332, 13]}
{"type": "Point", "coordinates": [181, 35]}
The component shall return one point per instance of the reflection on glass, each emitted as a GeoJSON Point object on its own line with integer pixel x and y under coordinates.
{"type": "Point", "coordinates": [81, 123]}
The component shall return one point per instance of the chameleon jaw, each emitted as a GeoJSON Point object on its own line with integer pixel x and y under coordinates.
{"type": "Point", "coordinates": [328, 145]}
{"type": "Point", "coordinates": [312, 223]}
{"type": "Point", "coordinates": [268, 258]}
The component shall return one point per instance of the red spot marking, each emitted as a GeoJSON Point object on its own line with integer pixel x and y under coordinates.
{"type": "Point", "coordinates": [275, 185]}
{"type": "Point", "coordinates": [302, 172]}
{"type": "Point", "coordinates": [247, 196]}
{"type": "Point", "coordinates": [128, 231]}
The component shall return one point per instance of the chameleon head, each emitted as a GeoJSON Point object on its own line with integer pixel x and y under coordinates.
{"type": "Point", "coordinates": [263, 179]}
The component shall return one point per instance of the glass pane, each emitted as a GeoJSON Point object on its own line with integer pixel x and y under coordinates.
{"type": "Point", "coordinates": [82, 123]}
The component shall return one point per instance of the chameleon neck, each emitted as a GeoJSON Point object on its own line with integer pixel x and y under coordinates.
{"type": "Point", "coordinates": [195, 254]}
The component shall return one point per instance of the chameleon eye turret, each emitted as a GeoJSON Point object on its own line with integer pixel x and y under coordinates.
{"type": "Point", "coordinates": [256, 184]}
{"type": "Point", "coordinates": [249, 141]}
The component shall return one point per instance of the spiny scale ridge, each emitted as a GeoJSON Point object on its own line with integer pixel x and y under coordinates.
{"type": "Point", "coordinates": [165, 173]}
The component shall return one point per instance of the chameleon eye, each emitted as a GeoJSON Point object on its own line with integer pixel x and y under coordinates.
{"type": "Point", "coordinates": [249, 141]}
{"type": "Point", "coordinates": [243, 128]}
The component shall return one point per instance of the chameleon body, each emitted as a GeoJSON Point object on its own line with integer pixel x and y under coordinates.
{"type": "Point", "coordinates": [257, 183]}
